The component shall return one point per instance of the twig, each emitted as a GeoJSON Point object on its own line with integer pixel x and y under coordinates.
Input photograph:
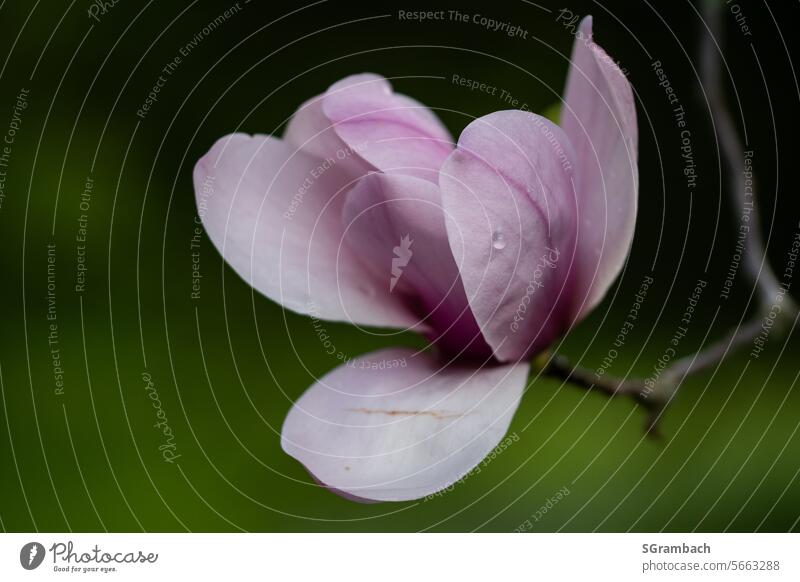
{"type": "Point", "coordinates": [755, 265]}
{"type": "Point", "coordinates": [560, 368]}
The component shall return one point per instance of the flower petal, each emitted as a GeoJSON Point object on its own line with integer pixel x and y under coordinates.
{"type": "Point", "coordinates": [275, 215]}
{"type": "Point", "coordinates": [396, 225]}
{"type": "Point", "coordinates": [394, 425]}
{"type": "Point", "coordinates": [310, 130]}
{"type": "Point", "coordinates": [508, 195]}
{"type": "Point", "coordinates": [392, 132]}
{"type": "Point", "coordinates": [599, 116]}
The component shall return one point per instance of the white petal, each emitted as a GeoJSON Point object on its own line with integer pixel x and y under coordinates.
{"type": "Point", "coordinates": [394, 426]}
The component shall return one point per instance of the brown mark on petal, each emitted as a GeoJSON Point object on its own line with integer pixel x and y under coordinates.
{"type": "Point", "coordinates": [437, 414]}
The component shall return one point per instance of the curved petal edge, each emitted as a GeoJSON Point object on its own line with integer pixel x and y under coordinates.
{"type": "Point", "coordinates": [599, 116]}
{"type": "Point", "coordinates": [396, 425]}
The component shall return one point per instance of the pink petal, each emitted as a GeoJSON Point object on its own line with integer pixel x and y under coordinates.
{"type": "Point", "coordinates": [392, 132]}
{"type": "Point", "coordinates": [396, 226]}
{"type": "Point", "coordinates": [508, 195]}
{"type": "Point", "coordinates": [310, 130]}
{"type": "Point", "coordinates": [394, 426]}
{"type": "Point", "coordinates": [599, 116]}
{"type": "Point", "coordinates": [275, 215]}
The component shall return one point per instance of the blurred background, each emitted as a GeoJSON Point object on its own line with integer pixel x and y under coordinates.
{"type": "Point", "coordinates": [100, 254]}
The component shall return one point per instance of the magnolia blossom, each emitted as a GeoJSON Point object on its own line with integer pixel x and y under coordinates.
{"type": "Point", "coordinates": [492, 247]}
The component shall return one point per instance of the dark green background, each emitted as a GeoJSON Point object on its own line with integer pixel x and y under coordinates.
{"type": "Point", "coordinates": [227, 366]}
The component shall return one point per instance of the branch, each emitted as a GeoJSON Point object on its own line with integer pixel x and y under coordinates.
{"type": "Point", "coordinates": [653, 402]}
{"type": "Point", "coordinates": [755, 264]}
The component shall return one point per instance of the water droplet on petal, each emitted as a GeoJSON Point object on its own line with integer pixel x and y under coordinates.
{"type": "Point", "coordinates": [498, 240]}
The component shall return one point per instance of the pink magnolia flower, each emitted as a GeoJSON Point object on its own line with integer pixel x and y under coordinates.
{"type": "Point", "coordinates": [492, 248]}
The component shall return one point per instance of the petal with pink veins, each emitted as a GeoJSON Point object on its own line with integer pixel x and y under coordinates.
{"type": "Point", "coordinates": [275, 214]}
{"type": "Point", "coordinates": [394, 425]}
{"type": "Point", "coordinates": [392, 132]}
{"type": "Point", "coordinates": [599, 116]}
{"type": "Point", "coordinates": [509, 199]}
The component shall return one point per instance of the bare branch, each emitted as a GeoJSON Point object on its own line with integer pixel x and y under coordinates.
{"type": "Point", "coordinates": [653, 402]}
{"type": "Point", "coordinates": [755, 265]}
